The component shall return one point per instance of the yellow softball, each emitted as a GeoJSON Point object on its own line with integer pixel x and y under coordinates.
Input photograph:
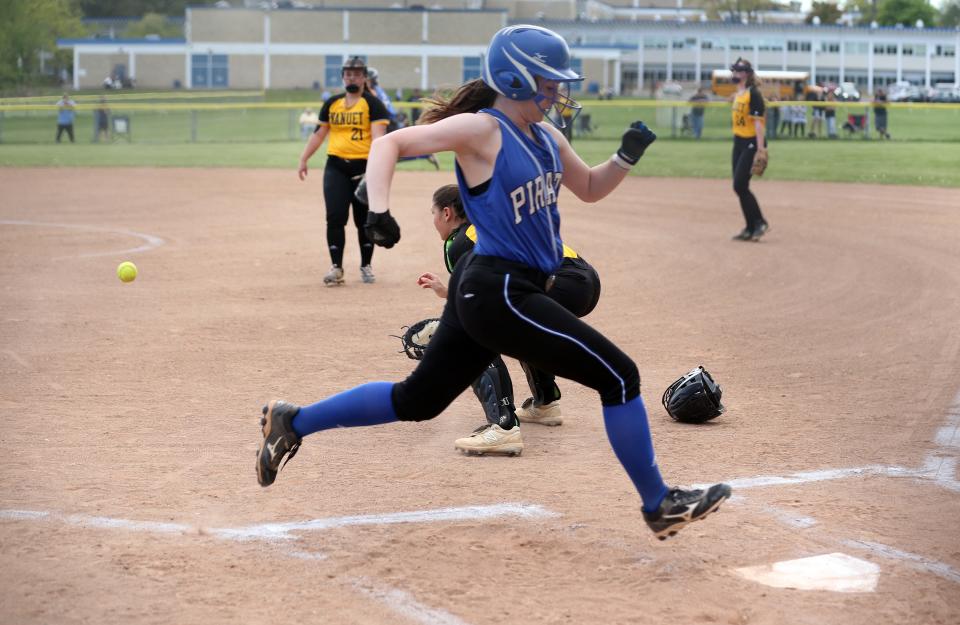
{"type": "Point", "coordinates": [127, 271]}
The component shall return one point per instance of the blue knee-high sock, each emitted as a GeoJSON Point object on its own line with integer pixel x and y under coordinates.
{"type": "Point", "coordinates": [629, 435]}
{"type": "Point", "coordinates": [367, 404]}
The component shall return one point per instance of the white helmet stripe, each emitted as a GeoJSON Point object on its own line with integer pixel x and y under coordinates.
{"type": "Point", "coordinates": [488, 76]}
{"type": "Point", "coordinates": [531, 81]}
{"type": "Point", "coordinates": [551, 73]}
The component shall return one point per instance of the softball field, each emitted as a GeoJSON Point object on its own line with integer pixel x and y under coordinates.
{"type": "Point", "coordinates": [131, 412]}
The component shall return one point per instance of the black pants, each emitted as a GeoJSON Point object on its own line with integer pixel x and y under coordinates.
{"type": "Point", "coordinates": [576, 287]}
{"type": "Point", "coordinates": [340, 180]}
{"type": "Point", "coordinates": [743, 152]}
{"type": "Point", "coordinates": [65, 127]}
{"type": "Point", "coordinates": [496, 307]}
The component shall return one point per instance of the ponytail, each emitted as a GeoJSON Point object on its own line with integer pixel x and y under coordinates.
{"type": "Point", "coordinates": [469, 98]}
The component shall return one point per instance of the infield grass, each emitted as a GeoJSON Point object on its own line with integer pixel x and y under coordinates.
{"type": "Point", "coordinates": [908, 163]}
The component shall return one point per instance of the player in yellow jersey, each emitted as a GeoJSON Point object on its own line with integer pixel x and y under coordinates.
{"type": "Point", "coordinates": [748, 140]}
{"type": "Point", "coordinates": [351, 120]}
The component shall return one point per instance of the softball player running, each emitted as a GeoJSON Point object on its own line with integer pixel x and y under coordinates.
{"type": "Point", "coordinates": [509, 169]}
{"type": "Point", "coordinates": [576, 287]}
{"type": "Point", "coordinates": [352, 120]}
{"type": "Point", "coordinates": [748, 143]}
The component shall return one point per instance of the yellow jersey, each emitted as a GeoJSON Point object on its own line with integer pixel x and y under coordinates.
{"type": "Point", "coordinates": [349, 136]}
{"type": "Point", "coordinates": [568, 252]}
{"type": "Point", "coordinates": [747, 107]}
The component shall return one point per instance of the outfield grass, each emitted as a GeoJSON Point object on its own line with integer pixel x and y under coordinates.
{"type": "Point", "coordinates": [911, 163]}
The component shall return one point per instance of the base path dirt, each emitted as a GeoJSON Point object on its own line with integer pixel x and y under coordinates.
{"type": "Point", "coordinates": [131, 411]}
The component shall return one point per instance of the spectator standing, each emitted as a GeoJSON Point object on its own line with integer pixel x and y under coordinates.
{"type": "Point", "coordinates": [830, 114]}
{"type": "Point", "coordinates": [101, 121]}
{"type": "Point", "coordinates": [773, 121]}
{"type": "Point", "coordinates": [799, 121]}
{"type": "Point", "coordinates": [416, 96]}
{"type": "Point", "coordinates": [814, 95]}
{"type": "Point", "coordinates": [308, 123]}
{"type": "Point", "coordinates": [65, 116]}
{"type": "Point", "coordinates": [697, 111]}
{"type": "Point", "coordinates": [880, 113]}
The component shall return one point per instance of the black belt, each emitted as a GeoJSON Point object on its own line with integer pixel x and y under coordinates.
{"type": "Point", "coordinates": [532, 274]}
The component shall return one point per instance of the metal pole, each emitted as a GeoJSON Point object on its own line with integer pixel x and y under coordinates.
{"type": "Point", "coordinates": [193, 126]}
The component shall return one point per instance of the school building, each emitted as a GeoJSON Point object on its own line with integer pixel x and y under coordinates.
{"type": "Point", "coordinates": [415, 47]}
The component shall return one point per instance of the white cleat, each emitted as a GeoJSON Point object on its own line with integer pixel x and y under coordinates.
{"type": "Point", "coordinates": [547, 414]}
{"type": "Point", "coordinates": [491, 439]}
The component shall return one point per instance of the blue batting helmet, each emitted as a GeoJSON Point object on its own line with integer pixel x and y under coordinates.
{"type": "Point", "coordinates": [517, 54]}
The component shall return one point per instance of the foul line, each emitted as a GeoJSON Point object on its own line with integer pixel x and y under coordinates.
{"type": "Point", "coordinates": [912, 559]}
{"type": "Point", "coordinates": [282, 531]}
{"type": "Point", "coordinates": [404, 604]}
{"type": "Point", "coordinates": [150, 241]}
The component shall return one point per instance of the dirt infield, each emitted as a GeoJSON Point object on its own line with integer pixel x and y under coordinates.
{"type": "Point", "coordinates": [130, 411]}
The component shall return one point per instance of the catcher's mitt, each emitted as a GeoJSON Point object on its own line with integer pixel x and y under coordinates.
{"type": "Point", "coordinates": [417, 337]}
{"type": "Point", "coordinates": [760, 160]}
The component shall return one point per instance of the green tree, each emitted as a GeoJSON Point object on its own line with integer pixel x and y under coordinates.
{"type": "Point", "coordinates": [29, 27]}
{"type": "Point", "coordinates": [868, 9]}
{"type": "Point", "coordinates": [738, 10]}
{"type": "Point", "coordinates": [906, 12]}
{"type": "Point", "coordinates": [950, 14]}
{"type": "Point", "coordinates": [828, 12]}
{"type": "Point", "coordinates": [153, 24]}
{"type": "Point", "coordinates": [137, 8]}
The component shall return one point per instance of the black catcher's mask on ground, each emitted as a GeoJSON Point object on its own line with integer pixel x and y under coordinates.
{"type": "Point", "coordinates": [694, 398]}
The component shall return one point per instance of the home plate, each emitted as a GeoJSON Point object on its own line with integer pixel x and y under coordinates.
{"type": "Point", "coordinates": [833, 571]}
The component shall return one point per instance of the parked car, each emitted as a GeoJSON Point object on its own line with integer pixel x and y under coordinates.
{"type": "Point", "coordinates": [945, 92]}
{"type": "Point", "coordinates": [847, 92]}
{"type": "Point", "coordinates": [903, 91]}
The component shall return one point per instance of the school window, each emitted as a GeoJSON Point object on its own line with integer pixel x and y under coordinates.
{"type": "Point", "coordinates": [655, 43]}
{"type": "Point", "coordinates": [855, 47]}
{"type": "Point", "coordinates": [711, 44]}
{"type": "Point", "coordinates": [331, 70]}
{"type": "Point", "coordinates": [829, 47]}
{"type": "Point", "coordinates": [741, 44]}
{"type": "Point", "coordinates": [577, 66]}
{"type": "Point", "coordinates": [946, 50]}
{"type": "Point", "coordinates": [770, 45]}
{"type": "Point", "coordinates": [908, 50]}
{"type": "Point", "coordinates": [471, 68]}
{"type": "Point", "coordinates": [798, 46]}
{"type": "Point", "coordinates": [210, 70]}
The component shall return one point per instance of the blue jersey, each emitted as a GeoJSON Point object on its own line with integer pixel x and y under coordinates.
{"type": "Point", "coordinates": [516, 216]}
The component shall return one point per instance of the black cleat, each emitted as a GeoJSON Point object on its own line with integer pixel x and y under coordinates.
{"type": "Point", "coordinates": [279, 439]}
{"type": "Point", "coordinates": [680, 508]}
{"type": "Point", "coordinates": [759, 231]}
{"type": "Point", "coordinates": [745, 235]}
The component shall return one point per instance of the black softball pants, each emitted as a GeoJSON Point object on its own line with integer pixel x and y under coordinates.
{"type": "Point", "coordinates": [744, 150]}
{"type": "Point", "coordinates": [496, 306]}
{"type": "Point", "coordinates": [340, 180]}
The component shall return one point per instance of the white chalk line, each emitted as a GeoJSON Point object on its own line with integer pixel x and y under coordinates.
{"type": "Point", "coordinates": [916, 561]}
{"type": "Point", "coordinates": [274, 531]}
{"type": "Point", "coordinates": [150, 241]}
{"type": "Point", "coordinates": [283, 531]}
{"type": "Point", "coordinates": [405, 604]}
{"type": "Point", "coordinates": [395, 599]}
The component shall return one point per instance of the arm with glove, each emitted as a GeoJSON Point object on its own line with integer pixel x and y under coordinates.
{"type": "Point", "coordinates": [592, 184]}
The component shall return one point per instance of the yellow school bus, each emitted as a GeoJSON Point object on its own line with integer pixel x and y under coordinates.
{"type": "Point", "coordinates": [783, 85]}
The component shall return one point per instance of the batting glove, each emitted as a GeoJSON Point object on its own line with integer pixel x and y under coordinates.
{"type": "Point", "coordinates": [633, 144]}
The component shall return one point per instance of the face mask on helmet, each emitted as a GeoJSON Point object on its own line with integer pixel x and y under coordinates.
{"type": "Point", "coordinates": [532, 63]}
{"type": "Point", "coordinates": [352, 88]}
{"type": "Point", "coordinates": [735, 80]}
{"type": "Point", "coordinates": [553, 98]}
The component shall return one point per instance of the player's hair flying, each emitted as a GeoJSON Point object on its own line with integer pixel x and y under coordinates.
{"type": "Point", "coordinates": [469, 98]}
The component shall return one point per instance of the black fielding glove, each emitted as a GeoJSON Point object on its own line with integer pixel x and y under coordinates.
{"type": "Point", "coordinates": [361, 192]}
{"type": "Point", "coordinates": [634, 142]}
{"type": "Point", "coordinates": [382, 229]}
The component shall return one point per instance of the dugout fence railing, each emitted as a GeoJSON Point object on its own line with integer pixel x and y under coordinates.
{"type": "Point", "coordinates": [181, 120]}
